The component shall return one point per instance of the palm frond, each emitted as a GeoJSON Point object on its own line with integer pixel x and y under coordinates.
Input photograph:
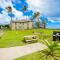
{"type": "Point", "coordinates": [57, 56]}
{"type": "Point", "coordinates": [56, 49]}
{"type": "Point", "coordinates": [42, 56]}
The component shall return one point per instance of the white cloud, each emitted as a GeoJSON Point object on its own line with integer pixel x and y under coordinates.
{"type": "Point", "coordinates": [33, 4]}
{"type": "Point", "coordinates": [4, 19]}
{"type": "Point", "coordinates": [4, 4]}
{"type": "Point", "coordinates": [36, 5]}
{"type": "Point", "coordinates": [54, 19]}
{"type": "Point", "coordinates": [57, 19]}
{"type": "Point", "coordinates": [51, 20]}
{"type": "Point", "coordinates": [49, 8]}
{"type": "Point", "coordinates": [4, 12]}
{"type": "Point", "coordinates": [24, 17]}
{"type": "Point", "coordinates": [17, 13]}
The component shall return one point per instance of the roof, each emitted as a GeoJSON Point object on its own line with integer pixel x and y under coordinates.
{"type": "Point", "coordinates": [23, 20]}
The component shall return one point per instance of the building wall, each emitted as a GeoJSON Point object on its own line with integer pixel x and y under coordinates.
{"type": "Point", "coordinates": [21, 26]}
{"type": "Point", "coordinates": [25, 25]}
{"type": "Point", "coordinates": [17, 26]}
{"type": "Point", "coordinates": [30, 25]}
{"type": "Point", "coordinates": [13, 27]}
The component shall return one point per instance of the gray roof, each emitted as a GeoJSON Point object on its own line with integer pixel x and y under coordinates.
{"type": "Point", "coordinates": [23, 20]}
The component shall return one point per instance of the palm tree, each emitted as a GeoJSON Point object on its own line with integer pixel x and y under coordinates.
{"type": "Point", "coordinates": [52, 51]}
{"type": "Point", "coordinates": [24, 8]}
{"type": "Point", "coordinates": [34, 16]}
{"type": "Point", "coordinates": [44, 22]}
{"type": "Point", "coordinates": [38, 24]}
{"type": "Point", "coordinates": [9, 9]}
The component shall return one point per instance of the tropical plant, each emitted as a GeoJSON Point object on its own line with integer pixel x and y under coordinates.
{"type": "Point", "coordinates": [9, 9]}
{"type": "Point", "coordinates": [35, 15]}
{"type": "Point", "coordinates": [44, 22]}
{"type": "Point", "coordinates": [24, 8]}
{"type": "Point", "coordinates": [38, 24]}
{"type": "Point", "coordinates": [52, 51]}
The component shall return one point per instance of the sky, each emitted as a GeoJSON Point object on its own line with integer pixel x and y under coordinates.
{"type": "Point", "coordinates": [49, 9]}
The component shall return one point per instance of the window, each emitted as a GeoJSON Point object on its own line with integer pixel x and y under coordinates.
{"type": "Point", "coordinates": [23, 23]}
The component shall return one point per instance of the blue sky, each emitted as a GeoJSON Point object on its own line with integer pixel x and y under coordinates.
{"type": "Point", "coordinates": [49, 9]}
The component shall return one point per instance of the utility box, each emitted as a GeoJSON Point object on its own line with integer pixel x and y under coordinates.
{"type": "Point", "coordinates": [56, 36]}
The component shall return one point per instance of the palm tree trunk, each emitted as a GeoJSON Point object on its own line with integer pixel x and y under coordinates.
{"type": "Point", "coordinates": [11, 20]}
{"type": "Point", "coordinates": [44, 26]}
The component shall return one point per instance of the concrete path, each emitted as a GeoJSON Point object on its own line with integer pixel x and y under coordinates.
{"type": "Point", "coordinates": [18, 51]}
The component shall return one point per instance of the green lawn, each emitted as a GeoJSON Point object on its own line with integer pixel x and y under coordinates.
{"type": "Point", "coordinates": [14, 38]}
{"type": "Point", "coordinates": [34, 56]}
{"type": "Point", "coordinates": [37, 55]}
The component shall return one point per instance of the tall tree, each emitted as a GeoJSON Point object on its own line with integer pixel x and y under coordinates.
{"type": "Point", "coordinates": [24, 8]}
{"type": "Point", "coordinates": [38, 24]}
{"type": "Point", "coordinates": [44, 22]}
{"type": "Point", "coordinates": [9, 9]}
{"type": "Point", "coordinates": [36, 16]}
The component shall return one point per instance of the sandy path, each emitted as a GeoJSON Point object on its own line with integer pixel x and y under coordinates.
{"type": "Point", "coordinates": [18, 51]}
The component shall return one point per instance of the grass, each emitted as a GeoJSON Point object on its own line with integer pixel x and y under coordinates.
{"type": "Point", "coordinates": [14, 38]}
{"type": "Point", "coordinates": [40, 56]}
{"type": "Point", "coordinates": [37, 55]}
{"type": "Point", "coordinates": [33, 56]}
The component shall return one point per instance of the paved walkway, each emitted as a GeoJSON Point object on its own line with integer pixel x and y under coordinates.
{"type": "Point", "coordinates": [18, 51]}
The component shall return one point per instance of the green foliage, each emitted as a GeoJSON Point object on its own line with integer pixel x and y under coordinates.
{"type": "Point", "coordinates": [14, 37]}
{"type": "Point", "coordinates": [38, 24]}
{"type": "Point", "coordinates": [35, 15]}
{"type": "Point", "coordinates": [52, 46]}
{"type": "Point", "coordinates": [44, 22]}
{"type": "Point", "coordinates": [52, 50]}
{"type": "Point", "coordinates": [24, 8]}
{"type": "Point", "coordinates": [9, 9]}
